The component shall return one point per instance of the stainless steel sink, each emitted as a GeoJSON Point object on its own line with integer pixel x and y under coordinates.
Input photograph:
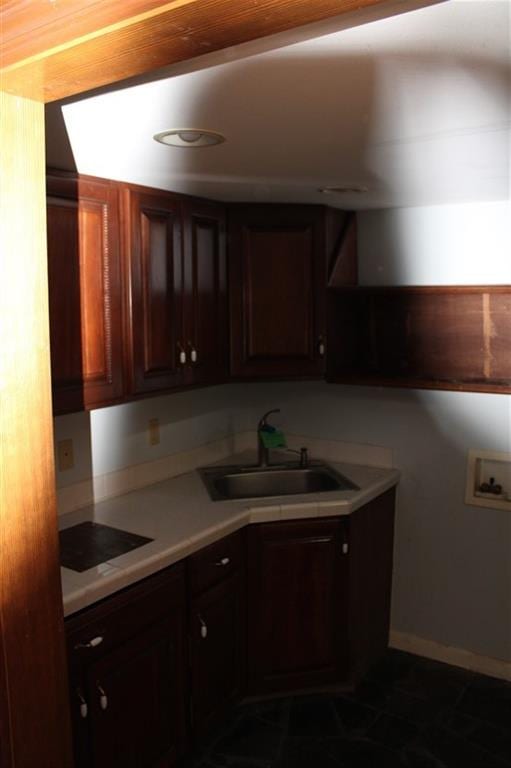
{"type": "Point", "coordinates": [253, 482]}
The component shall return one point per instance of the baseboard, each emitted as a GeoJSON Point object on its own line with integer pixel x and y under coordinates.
{"type": "Point", "coordinates": [458, 657]}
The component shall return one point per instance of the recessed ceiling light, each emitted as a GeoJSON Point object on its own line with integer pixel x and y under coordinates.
{"type": "Point", "coordinates": [189, 137]}
{"type": "Point", "coordinates": [341, 190]}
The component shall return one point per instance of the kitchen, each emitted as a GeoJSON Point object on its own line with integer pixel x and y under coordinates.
{"type": "Point", "coordinates": [432, 601]}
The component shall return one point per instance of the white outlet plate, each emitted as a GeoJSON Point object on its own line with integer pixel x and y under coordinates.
{"type": "Point", "coordinates": [153, 431]}
{"type": "Point", "coordinates": [65, 455]}
{"type": "Point", "coordinates": [481, 466]}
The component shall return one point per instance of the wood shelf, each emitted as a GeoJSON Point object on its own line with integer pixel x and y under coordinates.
{"type": "Point", "coordinates": [426, 337]}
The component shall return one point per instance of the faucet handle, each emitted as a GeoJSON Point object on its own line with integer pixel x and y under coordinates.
{"type": "Point", "coordinates": [304, 456]}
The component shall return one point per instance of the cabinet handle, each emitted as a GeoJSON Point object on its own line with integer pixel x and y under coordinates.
{"type": "Point", "coordinates": [193, 355]}
{"type": "Point", "coordinates": [321, 347]}
{"type": "Point", "coordinates": [345, 548]}
{"type": "Point", "coordinates": [203, 627]}
{"type": "Point", "coordinates": [182, 354]}
{"type": "Point", "coordinates": [84, 709]}
{"type": "Point", "coordinates": [223, 562]}
{"type": "Point", "coordinates": [103, 698]}
{"type": "Point", "coordinates": [90, 644]}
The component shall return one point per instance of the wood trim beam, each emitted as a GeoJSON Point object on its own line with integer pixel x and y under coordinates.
{"type": "Point", "coordinates": [31, 27]}
{"type": "Point", "coordinates": [153, 36]}
{"type": "Point", "coordinates": [33, 690]}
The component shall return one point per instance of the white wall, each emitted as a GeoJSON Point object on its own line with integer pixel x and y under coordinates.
{"type": "Point", "coordinates": [452, 575]}
{"type": "Point", "coordinates": [467, 244]}
{"type": "Point", "coordinates": [112, 438]}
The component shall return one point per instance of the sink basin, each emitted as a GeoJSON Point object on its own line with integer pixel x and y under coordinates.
{"type": "Point", "coordinates": [249, 483]}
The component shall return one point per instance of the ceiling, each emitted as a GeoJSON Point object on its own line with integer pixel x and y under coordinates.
{"type": "Point", "coordinates": [416, 108]}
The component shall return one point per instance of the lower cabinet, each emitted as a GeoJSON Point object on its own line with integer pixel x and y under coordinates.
{"type": "Point", "coordinates": [215, 652]}
{"type": "Point", "coordinates": [155, 666]}
{"type": "Point", "coordinates": [298, 604]}
{"type": "Point", "coordinates": [216, 630]}
{"type": "Point", "coordinates": [319, 598]}
{"type": "Point", "coordinates": [127, 677]}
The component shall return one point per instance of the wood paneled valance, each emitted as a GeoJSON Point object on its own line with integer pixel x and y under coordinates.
{"type": "Point", "coordinates": [431, 337]}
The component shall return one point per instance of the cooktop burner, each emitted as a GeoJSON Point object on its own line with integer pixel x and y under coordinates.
{"type": "Point", "coordinates": [86, 545]}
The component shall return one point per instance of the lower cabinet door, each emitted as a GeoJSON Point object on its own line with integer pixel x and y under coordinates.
{"type": "Point", "coordinates": [297, 593]}
{"type": "Point", "coordinates": [216, 640]}
{"type": "Point", "coordinates": [137, 705]}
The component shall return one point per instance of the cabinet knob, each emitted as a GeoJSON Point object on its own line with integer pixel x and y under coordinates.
{"type": "Point", "coordinates": [181, 354]}
{"type": "Point", "coordinates": [90, 643]}
{"type": "Point", "coordinates": [223, 562]}
{"type": "Point", "coordinates": [345, 548]}
{"type": "Point", "coordinates": [203, 628]}
{"type": "Point", "coordinates": [84, 709]}
{"type": "Point", "coordinates": [193, 355]}
{"type": "Point", "coordinates": [321, 346]}
{"type": "Point", "coordinates": [103, 698]}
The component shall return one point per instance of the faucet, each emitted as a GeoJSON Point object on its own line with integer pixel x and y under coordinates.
{"type": "Point", "coordinates": [263, 455]}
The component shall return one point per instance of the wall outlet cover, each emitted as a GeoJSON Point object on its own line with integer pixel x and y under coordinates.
{"type": "Point", "coordinates": [153, 431]}
{"type": "Point", "coordinates": [65, 456]}
{"type": "Point", "coordinates": [483, 468]}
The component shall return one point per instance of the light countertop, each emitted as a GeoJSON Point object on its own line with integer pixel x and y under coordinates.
{"type": "Point", "coordinates": [181, 518]}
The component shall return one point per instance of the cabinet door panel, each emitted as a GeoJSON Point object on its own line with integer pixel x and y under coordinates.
{"type": "Point", "coordinates": [140, 723]}
{"type": "Point", "coordinates": [216, 627]}
{"type": "Point", "coordinates": [205, 292]}
{"type": "Point", "coordinates": [277, 266]}
{"type": "Point", "coordinates": [278, 269]}
{"type": "Point", "coordinates": [297, 597]}
{"type": "Point", "coordinates": [84, 293]}
{"type": "Point", "coordinates": [371, 550]}
{"type": "Point", "coordinates": [156, 291]}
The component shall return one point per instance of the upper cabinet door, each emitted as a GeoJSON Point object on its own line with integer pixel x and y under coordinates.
{"type": "Point", "coordinates": [277, 266]}
{"type": "Point", "coordinates": [153, 247]}
{"type": "Point", "coordinates": [205, 292]}
{"type": "Point", "coordinates": [84, 293]}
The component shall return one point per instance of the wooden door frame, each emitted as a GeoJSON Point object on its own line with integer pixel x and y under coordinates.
{"type": "Point", "coordinates": [51, 51]}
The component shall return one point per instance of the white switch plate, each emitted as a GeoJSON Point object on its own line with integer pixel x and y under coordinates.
{"type": "Point", "coordinates": [65, 456]}
{"type": "Point", "coordinates": [481, 466]}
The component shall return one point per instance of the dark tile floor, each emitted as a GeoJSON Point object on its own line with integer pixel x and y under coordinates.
{"type": "Point", "coordinates": [409, 712]}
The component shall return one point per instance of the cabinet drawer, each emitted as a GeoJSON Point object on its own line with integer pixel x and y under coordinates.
{"type": "Point", "coordinates": [215, 562]}
{"type": "Point", "coordinates": [96, 630]}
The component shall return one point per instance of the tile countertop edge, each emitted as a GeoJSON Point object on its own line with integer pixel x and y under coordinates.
{"type": "Point", "coordinates": [116, 576]}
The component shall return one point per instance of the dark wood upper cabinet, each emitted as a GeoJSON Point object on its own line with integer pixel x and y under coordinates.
{"type": "Point", "coordinates": [278, 261]}
{"type": "Point", "coordinates": [437, 337]}
{"type": "Point", "coordinates": [153, 248]}
{"type": "Point", "coordinates": [206, 330]}
{"type": "Point", "coordinates": [85, 292]}
{"type": "Point", "coordinates": [146, 295]}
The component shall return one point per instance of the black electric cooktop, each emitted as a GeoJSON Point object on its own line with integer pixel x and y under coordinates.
{"type": "Point", "coordinates": [86, 545]}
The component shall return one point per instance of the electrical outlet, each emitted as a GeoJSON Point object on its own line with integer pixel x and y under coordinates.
{"type": "Point", "coordinates": [488, 479]}
{"type": "Point", "coordinates": [153, 431]}
{"type": "Point", "coordinates": [65, 458]}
